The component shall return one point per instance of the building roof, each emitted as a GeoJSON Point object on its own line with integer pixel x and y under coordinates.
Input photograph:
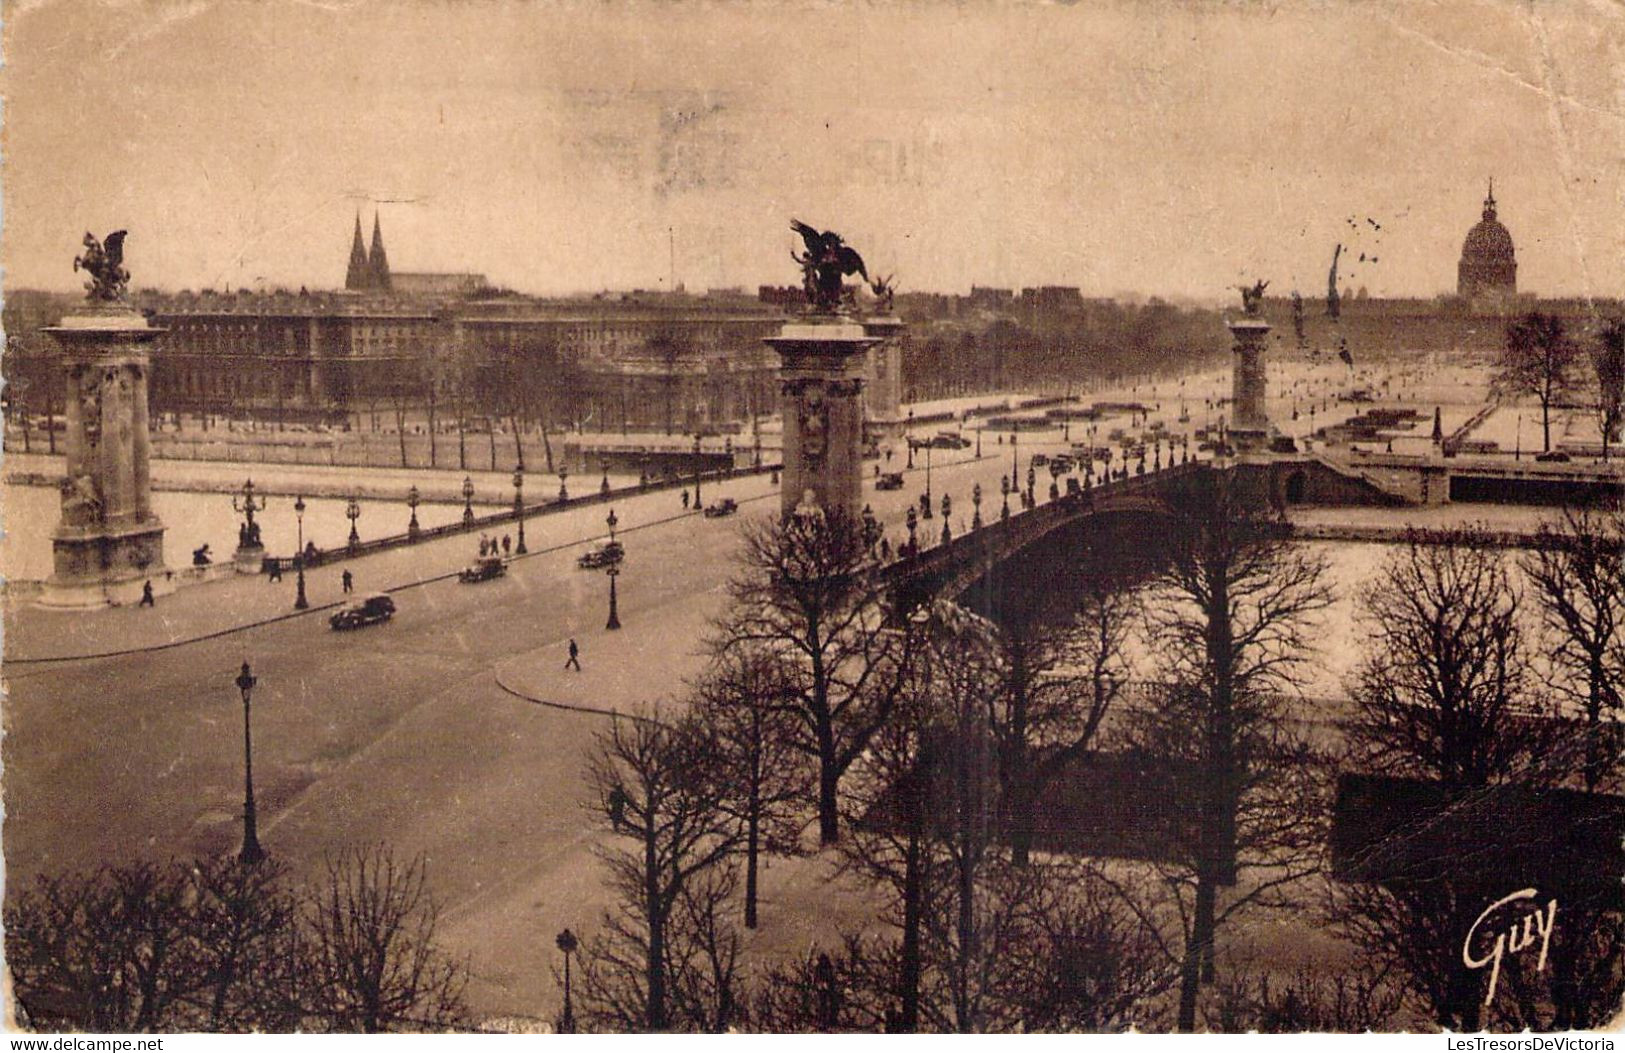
{"type": "Point", "coordinates": [1488, 241]}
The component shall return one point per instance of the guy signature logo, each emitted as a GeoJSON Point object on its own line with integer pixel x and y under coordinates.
{"type": "Point", "coordinates": [1519, 936]}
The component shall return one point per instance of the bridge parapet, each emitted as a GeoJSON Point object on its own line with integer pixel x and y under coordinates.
{"type": "Point", "coordinates": [948, 569]}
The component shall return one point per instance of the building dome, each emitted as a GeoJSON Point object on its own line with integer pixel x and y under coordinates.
{"type": "Point", "coordinates": [1488, 260]}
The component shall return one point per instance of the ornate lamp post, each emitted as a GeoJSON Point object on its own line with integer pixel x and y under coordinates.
{"type": "Point", "coordinates": [519, 508]}
{"type": "Point", "coordinates": [976, 507]}
{"type": "Point", "coordinates": [1004, 491]}
{"type": "Point", "coordinates": [978, 444]}
{"type": "Point", "coordinates": [468, 501]}
{"type": "Point", "coordinates": [925, 502]}
{"type": "Point", "coordinates": [611, 522]}
{"type": "Point", "coordinates": [564, 474]}
{"type": "Point", "coordinates": [1015, 460]}
{"type": "Point", "coordinates": [567, 943]}
{"type": "Point", "coordinates": [1032, 477]}
{"type": "Point", "coordinates": [913, 522]}
{"type": "Point", "coordinates": [614, 615]}
{"type": "Point", "coordinates": [412, 500]}
{"type": "Point", "coordinates": [909, 438]}
{"type": "Point", "coordinates": [947, 506]}
{"type": "Point", "coordinates": [251, 532]}
{"type": "Point", "coordinates": [252, 852]}
{"type": "Point", "coordinates": [603, 483]}
{"type": "Point", "coordinates": [299, 601]}
{"type": "Point", "coordinates": [352, 512]}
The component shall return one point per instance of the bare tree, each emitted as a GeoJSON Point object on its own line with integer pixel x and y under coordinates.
{"type": "Point", "coordinates": [1577, 575]}
{"type": "Point", "coordinates": [104, 952]}
{"type": "Point", "coordinates": [743, 700]}
{"type": "Point", "coordinates": [369, 958]}
{"type": "Point", "coordinates": [243, 920]}
{"type": "Point", "coordinates": [657, 784]}
{"type": "Point", "coordinates": [1445, 694]}
{"type": "Point", "coordinates": [1608, 365]}
{"type": "Point", "coordinates": [1538, 359]}
{"type": "Point", "coordinates": [808, 593]}
{"type": "Point", "coordinates": [1230, 615]}
{"type": "Point", "coordinates": [1064, 667]}
{"type": "Point", "coordinates": [984, 944]}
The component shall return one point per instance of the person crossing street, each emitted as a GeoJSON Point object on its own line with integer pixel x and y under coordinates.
{"type": "Point", "coordinates": [575, 657]}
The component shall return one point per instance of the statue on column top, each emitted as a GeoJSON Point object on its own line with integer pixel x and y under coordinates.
{"type": "Point", "coordinates": [827, 261]}
{"type": "Point", "coordinates": [104, 262]}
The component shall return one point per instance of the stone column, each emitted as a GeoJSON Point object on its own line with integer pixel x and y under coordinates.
{"type": "Point", "coordinates": [1250, 426]}
{"type": "Point", "coordinates": [107, 542]}
{"type": "Point", "coordinates": [821, 398]}
{"type": "Point", "coordinates": [884, 377]}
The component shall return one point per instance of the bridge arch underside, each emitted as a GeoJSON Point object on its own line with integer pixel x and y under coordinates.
{"type": "Point", "coordinates": [1534, 491]}
{"type": "Point", "coordinates": [1046, 578]}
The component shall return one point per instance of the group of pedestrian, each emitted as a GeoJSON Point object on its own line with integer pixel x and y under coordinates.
{"type": "Point", "coordinates": [490, 546]}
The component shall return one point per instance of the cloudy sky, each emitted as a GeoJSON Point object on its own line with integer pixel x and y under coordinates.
{"type": "Point", "coordinates": [1160, 148]}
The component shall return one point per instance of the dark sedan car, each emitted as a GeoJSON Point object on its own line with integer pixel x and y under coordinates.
{"type": "Point", "coordinates": [368, 611]}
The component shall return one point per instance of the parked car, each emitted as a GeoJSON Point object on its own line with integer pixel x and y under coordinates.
{"type": "Point", "coordinates": [368, 610]}
{"type": "Point", "coordinates": [1061, 464]}
{"type": "Point", "coordinates": [949, 440]}
{"type": "Point", "coordinates": [890, 481]}
{"type": "Point", "coordinates": [727, 506]}
{"type": "Point", "coordinates": [483, 569]}
{"type": "Point", "coordinates": [607, 554]}
{"type": "Point", "coordinates": [1039, 460]}
{"type": "Point", "coordinates": [1555, 456]}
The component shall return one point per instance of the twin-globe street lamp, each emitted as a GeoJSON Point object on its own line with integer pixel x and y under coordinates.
{"type": "Point", "coordinates": [352, 512]}
{"type": "Point", "coordinates": [468, 501]}
{"type": "Point", "coordinates": [613, 571]}
{"type": "Point", "coordinates": [413, 499]}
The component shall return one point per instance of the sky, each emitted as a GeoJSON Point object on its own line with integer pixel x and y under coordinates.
{"type": "Point", "coordinates": [1169, 149]}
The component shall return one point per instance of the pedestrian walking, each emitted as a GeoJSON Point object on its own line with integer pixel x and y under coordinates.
{"type": "Point", "coordinates": [348, 581]}
{"type": "Point", "coordinates": [483, 546]}
{"type": "Point", "coordinates": [575, 657]}
{"type": "Point", "coordinates": [275, 573]}
{"type": "Point", "coordinates": [507, 544]}
{"type": "Point", "coordinates": [685, 499]}
{"type": "Point", "coordinates": [146, 593]}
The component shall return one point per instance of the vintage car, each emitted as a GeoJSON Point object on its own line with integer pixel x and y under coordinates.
{"type": "Point", "coordinates": [727, 506]}
{"type": "Point", "coordinates": [483, 569]}
{"type": "Point", "coordinates": [367, 611]}
{"type": "Point", "coordinates": [890, 481]}
{"type": "Point", "coordinates": [607, 554]}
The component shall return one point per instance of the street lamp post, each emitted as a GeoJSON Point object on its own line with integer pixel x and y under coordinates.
{"type": "Point", "coordinates": [909, 438]}
{"type": "Point", "coordinates": [1004, 491]}
{"type": "Point", "coordinates": [978, 444]}
{"type": "Point", "coordinates": [468, 501]}
{"type": "Point", "coordinates": [976, 506]}
{"type": "Point", "coordinates": [926, 503]}
{"type": "Point", "coordinates": [913, 522]}
{"type": "Point", "coordinates": [947, 506]}
{"type": "Point", "coordinates": [252, 852]}
{"type": "Point", "coordinates": [1015, 459]}
{"type": "Point", "coordinates": [871, 528]}
{"type": "Point", "coordinates": [698, 471]}
{"type": "Point", "coordinates": [603, 483]}
{"type": "Point", "coordinates": [564, 474]}
{"type": "Point", "coordinates": [250, 533]}
{"type": "Point", "coordinates": [299, 601]}
{"type": "Point", "coordinates": [1032, 477]}
{"type": "Point", "coordinates": [614, 615]}
{"type": "Point", "coordinates": [611, 521]}
{"type": "Point", "coordinates": [567, 943]}
{"type": "Point", "coordinates": [352, 512]}
{"type": "Point", "coordinates": [412, 500]}
{"type": "Point", "coordinates": [519, 509]}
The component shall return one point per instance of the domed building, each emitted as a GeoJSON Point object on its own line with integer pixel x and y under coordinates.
{"type": "Point", "coordinates": [1488, 266]}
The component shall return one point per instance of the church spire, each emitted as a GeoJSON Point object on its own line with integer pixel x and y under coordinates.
{"type": "Point", "coordinates": [378, 263]}
{"type": "Point", "coordinates": [359, 274]}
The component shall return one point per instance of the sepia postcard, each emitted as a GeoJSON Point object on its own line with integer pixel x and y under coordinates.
{"type": "Point", "coordinates": [867, 518]}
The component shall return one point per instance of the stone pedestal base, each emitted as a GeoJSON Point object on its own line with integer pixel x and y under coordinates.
{"type": "Point", "coordinates": [821, 384]}
{"type": "Point", "coordinates": [107, 567]}
{"type": "Point", "coordinates": [249, 558]}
